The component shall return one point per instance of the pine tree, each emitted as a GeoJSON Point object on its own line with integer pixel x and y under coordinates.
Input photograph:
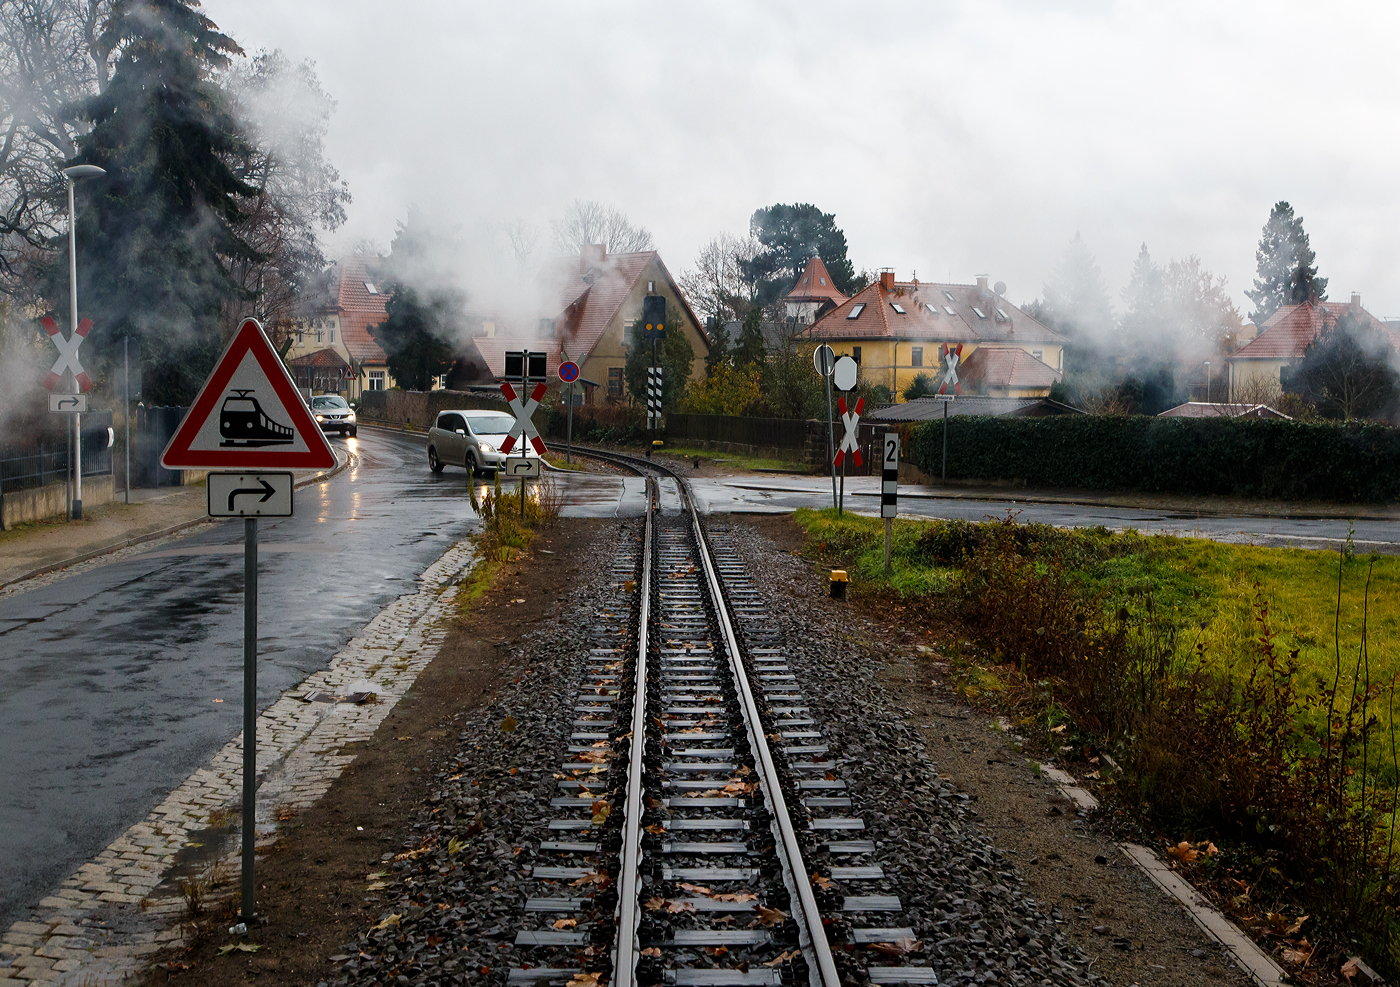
{"type": "Point", "coordinates": [749, 349]}
{"type": "Point", "coordinates": [156, 234]}
{"type": "Point", "coordinates": [1076, 300]}
{"type": "Point", "coordinates": [1285, 264]}
{"type": "Point", "coordinates": [790, 236]}
{"type": "Point", "coordinates": [718, 354]}
{"type": "Point", "coordinates": [424, 310]}
{"type": "Point", "coordinates": [1145, 299]}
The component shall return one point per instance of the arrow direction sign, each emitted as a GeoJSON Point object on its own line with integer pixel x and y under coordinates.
{"type": "Point", "coordinates": [68, 404]}
{"type": "Point", "coordinates": [250, 494]}
{"type": "Point", "coordinates": [523, 427]}
{"type": "Point", "coordinates": [524, 466]}
{"type": "Point", "coordinates": [248, 415]}
{"type": "Point", "coordinates": [848, 441]}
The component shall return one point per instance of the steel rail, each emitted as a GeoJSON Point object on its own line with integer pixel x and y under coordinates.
{"type": "Point", "coordinates": [825, 973]}
{"type": "Point", "coordinates": [626, 950]}
{"type": "Point", "coordinates": [811, 918]}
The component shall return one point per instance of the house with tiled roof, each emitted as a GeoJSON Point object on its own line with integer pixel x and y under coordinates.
{"type": "Point", "coordinates": [895, 329]}
{"type": "Point", "coordinates": [812, 294]}
{"type": "Point", "coordinates": [1256, 366]}
{"type": "Point", "coordinates": [341, 324]}
{"type": "Point", "coordinates": [600, 301]}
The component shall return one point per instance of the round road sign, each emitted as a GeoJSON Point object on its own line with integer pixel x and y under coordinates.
{"type": "Point", "coordinates": [568, 371]}
{"type": "Point", "coordinates": [823, 359]}
{"type": "Point", "coordinates": [844, 376]}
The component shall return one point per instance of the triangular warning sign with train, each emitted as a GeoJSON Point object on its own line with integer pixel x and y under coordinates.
{"type": "Point", "coordinates": [248, 415]}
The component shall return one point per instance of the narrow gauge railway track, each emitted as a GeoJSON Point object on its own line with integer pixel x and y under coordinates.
{"type": "Point", "coordinates": [700, 849]}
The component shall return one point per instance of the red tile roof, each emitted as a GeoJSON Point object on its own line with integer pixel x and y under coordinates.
{"type": "Point", "coordinates": [938, 312]}
{"type": "Point", "coordinates": [1289, 330]}
{"type": "Point", "coordinates": [814, 285]}
{"type": "Point", "coordinates": [1005, 366]}
{"type": "Point", "coordinates": [590, 289]}
{"type": "Point", "coordinates": [359, 310]}
{"type": "Point", "coordinates": [493, 351]}
{"type": "Point", "coordinates": [321, 358]}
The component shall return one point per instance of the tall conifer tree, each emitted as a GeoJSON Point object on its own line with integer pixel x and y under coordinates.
{"type": "Point", "coordinates": [155, 235]}
{"type": "Point", "coordinates": [1286, 266]}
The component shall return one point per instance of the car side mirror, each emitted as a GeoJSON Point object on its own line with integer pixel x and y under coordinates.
{"type": "Point", "coordinates": [461, 432]}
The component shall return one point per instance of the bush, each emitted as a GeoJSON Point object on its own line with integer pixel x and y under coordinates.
{"type": "Point", "coordinates": [1266, 458]}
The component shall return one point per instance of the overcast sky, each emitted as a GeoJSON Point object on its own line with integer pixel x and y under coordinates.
{"type": "Point", "coordinates": [950, 139]}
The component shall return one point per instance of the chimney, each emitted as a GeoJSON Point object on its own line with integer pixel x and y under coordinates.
{"type": "Point", "coordinates": [1356, 300]}
{"type": "Point", "coordinates": [982, 283]}
{"type": "Point", "coordinates": [593, 254]}
{"type": "Point", "coordinates": [887, 280]}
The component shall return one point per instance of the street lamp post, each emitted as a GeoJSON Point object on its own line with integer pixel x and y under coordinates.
{"type": "Point", "coordinates": [73, 174]}
{"type": "Point", "coordinates": [1207, 382]}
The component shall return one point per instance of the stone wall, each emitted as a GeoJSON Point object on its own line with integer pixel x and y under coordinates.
{"type": "Point", "coordinates": [50, 500]}
{"type": "Point", "coordinates": [421, 407]}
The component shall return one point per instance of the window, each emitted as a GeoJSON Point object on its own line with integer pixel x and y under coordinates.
{"type": "Point", "coordinates": [319, 336]}
{"type": "Point", "coordinates": [369, 286]}
{"type": "Point", "coordinates": [949, 310]}
{"type": "Point", "coordinates": [917, 356]}
{"type": "Point", "coordinates": [332, 335]}
{"type": "Point", "coordinates": [948, 295]}
{"type": "Point", "coordinates": [980, 314]}
{"type": "Point", "coordinates": [822, 280]}
{"type": "Point", "coordinates": [932, 311]}
{"type": "Point", "coordinates": [1004, 317]}
{"type": "Point", "coordinates": [855, 354]}
{"type": "Point", "coordinates": [614, 382]}
{"type": "Point", "coordinates": [855, 312]}
{"type": "Point", "coordinates": [301, 337]}
{"type": "Point", "coordinates": [897, 307]}
{"type": "Point", "coordinates": [376, 380]}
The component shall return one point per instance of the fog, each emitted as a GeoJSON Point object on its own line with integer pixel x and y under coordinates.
{"type": "Point", "coordinates": [949, 139]}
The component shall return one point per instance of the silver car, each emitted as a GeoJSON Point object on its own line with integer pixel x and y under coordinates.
{"type": "Point", "coordinates": [472, 439]}
{"type": "Point", "coordinates": [334, 415]}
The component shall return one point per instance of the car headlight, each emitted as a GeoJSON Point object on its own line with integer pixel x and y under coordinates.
{"type": "Point", "coordinates": [350, 416]}
{"type": "Point", "coordinates": [320, 418]}
{"type": "Point", "coordinates": [487, 447]}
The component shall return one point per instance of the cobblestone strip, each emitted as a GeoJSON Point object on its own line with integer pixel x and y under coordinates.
{"type": "Point", "coordinates": [126, 902]}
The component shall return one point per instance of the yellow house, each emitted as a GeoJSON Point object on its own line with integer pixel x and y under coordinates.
{"type": "Point", "coordinates": [601, 296]}
{"type": "Point", "coordinates": [897, 330]}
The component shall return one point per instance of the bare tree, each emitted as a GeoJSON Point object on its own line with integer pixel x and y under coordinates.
{"type": "Point", "coordinates": [585, 223]}
{"type": "Point", "coordinates": [53, 54]}
{"type": "Point", "coordinates": [286, 114]}
{"type": "Point", "coordinates": [717, 285]}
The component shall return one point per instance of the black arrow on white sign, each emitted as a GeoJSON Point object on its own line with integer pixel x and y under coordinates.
{"type": "Point", "coordinates": [267, 491]}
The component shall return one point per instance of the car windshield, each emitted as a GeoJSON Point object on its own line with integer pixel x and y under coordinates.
{"type": "Point", "coordinates": [329, 401]}
{"type": "Point", "coordinates": [490, 424]}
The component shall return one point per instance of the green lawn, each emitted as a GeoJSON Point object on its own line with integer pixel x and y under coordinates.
{"type": "Point", "coordinates": [1211, 586]}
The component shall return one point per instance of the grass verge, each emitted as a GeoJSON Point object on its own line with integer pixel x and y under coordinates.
{"type": "Point", "coordinates": [1248, 695]}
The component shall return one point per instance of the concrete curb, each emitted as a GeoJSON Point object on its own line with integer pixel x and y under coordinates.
{"type": "Point", "coordinates": [1258, 964]}
{"type": "Point", "coordinates": [153, 535]}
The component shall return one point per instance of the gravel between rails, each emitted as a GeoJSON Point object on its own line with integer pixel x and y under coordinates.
{"type": "Point", "coordinates": [962, 895]}
{"type": "Point", "coordinates": [451, 917]}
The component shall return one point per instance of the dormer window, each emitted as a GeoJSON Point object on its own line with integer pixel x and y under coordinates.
{"type": "Point", "coordinates": [369, 286]}
{"type": "Point", "coordinates": [823, 281]}
{"type": "Point", "coordinates": [855, 312]}
{"type": "Point", "coordinates": [980, 314]}
{"type": "Point", "coordinates": [897, 307]}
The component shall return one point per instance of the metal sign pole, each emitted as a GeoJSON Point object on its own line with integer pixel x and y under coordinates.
{"type": "Point", "coordinates": [841, 504]}
{"type": "Point", "coordinates": [250, 712]}
{"type": "Point", "coordinates": [570, 453]}
{"type": "Point", "coordinates": [126, 414]}
{"type": "Point", "coordinates": [830, 425]}
{"type": "Point", "coordinates": [945, 441]}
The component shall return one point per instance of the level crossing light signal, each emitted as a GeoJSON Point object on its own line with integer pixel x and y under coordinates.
{"type": "Point", "coordinates": [654, 317]}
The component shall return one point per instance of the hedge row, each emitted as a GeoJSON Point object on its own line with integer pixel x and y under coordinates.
{"type": "Point", "coordinates": [1265, 458]}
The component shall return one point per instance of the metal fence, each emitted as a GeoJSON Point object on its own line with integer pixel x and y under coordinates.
{"type": "Point", "coordinates": [32, 462]}
{"type": "Point", "coordinates": [151, 432]}
{"type": "Point", "coordinates": [778, 433]}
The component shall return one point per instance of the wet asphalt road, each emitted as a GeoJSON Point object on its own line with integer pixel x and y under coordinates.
{"type": "Point", "coordinates": [110, 675]}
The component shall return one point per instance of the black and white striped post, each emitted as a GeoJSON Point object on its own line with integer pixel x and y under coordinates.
{"type": "Point", "coordinates": [654, 397]}
{"type": "Point", "coordinates": [889, 489]}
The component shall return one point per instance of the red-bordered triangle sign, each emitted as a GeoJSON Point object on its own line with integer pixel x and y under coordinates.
{"type": "Point", "coordinates": [248, 415]}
